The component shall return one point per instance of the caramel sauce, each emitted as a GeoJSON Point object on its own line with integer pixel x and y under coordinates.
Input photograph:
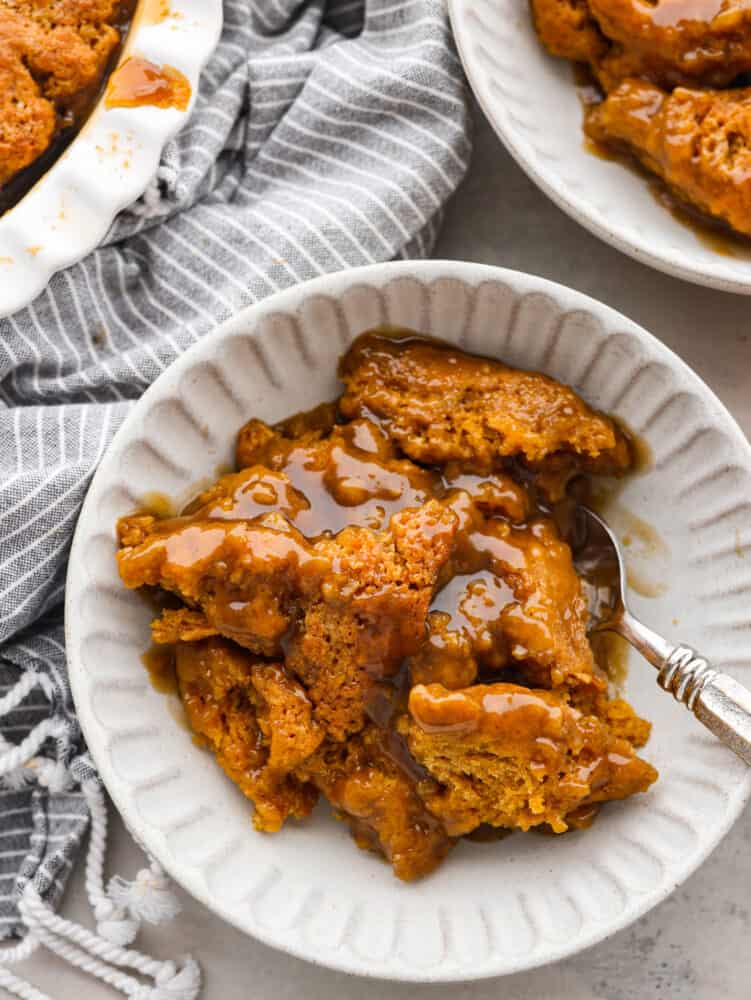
{"type": "Point", "coordinates": [154, 11]}
{"type": "Point", "coordinates": [503, 711]}
{"type": "Point", "coordinates": [354, 477]}
{"type": "Point", "coordinates": [159, 504]}
{"type": "Point", "coordinates": [645, 552]}
{"type": "Point", "coordinates": [587, 88]}
{"type": "Point", "coordinates": [583, 817]}
{"type": "Point", "coordinates": [601, 152]}
{"type": "Point", "coordinates": [643, 585]}
{"type": "Point", "coordinates": [160, 665]}
{"type": "Point", "coordinates": [739, 548]}
{"type": "Point", "coordinates": [139, 83]}
{"type": "Point", "coordinates": [639, 529]}
{"type": "Point", "coordinates": [352, 484]}
{"type": "Point", "coordinates": [611, 653]}
{"type": "Point", "coordinates": [671, 13]}
{"type": "Point", "coordinates": [473, 602]}
{"type": "Point", "coordinates": [641, 450]}
{"type": "Point", "coordinates": [487, 834]}
{"type": "Point", "coordinates": [201, 542]}
{"type": "Point", "coordinates": [712, 233]}
{"type": "Point", "coordinates": [159, 662]}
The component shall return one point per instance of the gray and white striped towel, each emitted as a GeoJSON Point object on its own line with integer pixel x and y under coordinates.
{"type": "Point", "coordinates": [327, 133]}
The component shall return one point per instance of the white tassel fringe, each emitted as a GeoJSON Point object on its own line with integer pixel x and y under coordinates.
{"type": "Point", "coordinates": [149, 897]}
{"type": "Point", "coordinates": [119, 911]}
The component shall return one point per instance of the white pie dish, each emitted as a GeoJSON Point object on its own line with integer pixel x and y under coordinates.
{"type": "Point", "coordinates": [491, 909]}
{"type": "Point", "coordinates": [111, 161]}
{"type": "Point", "coordinates": [530, 99]}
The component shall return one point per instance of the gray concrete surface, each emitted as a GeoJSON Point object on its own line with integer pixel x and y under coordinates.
{"type": "Point", "coordinates": [697, 944]}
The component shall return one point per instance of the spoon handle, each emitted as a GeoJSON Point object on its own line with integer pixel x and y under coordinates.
{"type": "Point", "coordinates": [718, 702]}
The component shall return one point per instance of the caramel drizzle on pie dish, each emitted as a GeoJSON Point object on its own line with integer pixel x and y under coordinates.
{"type": "Point", "coordinates": [138, 83]}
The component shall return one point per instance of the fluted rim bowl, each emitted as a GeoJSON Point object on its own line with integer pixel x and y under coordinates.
{"type": "Point", "coordinates": [492, 908]}
{"type": "Point", "coordinates": [111, 161]}
{"type": "Point", "coordinates": [530, 99]}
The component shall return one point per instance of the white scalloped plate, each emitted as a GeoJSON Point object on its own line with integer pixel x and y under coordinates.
{"type": "Point", "coordinates": [530, 100]}
{"type": "Point", "coordinates": [492, 908]}
{"type": "Point", "coordinates": [110, 163]}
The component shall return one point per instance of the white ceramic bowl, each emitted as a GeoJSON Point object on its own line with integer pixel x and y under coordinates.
{"type": "Point", "coordinates": [110, 163]}
{"type": "Point", "coordinates": [531, 101]}
{"type": "Point", "coordinates": [492, 908]}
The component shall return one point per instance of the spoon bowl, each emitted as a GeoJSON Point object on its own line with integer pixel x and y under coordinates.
{"type": "Point", "coordinates": [597, 553]}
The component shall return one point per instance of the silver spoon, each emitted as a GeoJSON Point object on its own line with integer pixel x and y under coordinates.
{"type": "Point", "coordinates": [718, 702]}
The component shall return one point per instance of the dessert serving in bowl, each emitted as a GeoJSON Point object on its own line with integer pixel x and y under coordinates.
{"type": "Point", "coordinates": [382, 606]}
{"type": "Point", "coordinates": [635, 118]}
{"type": "Point", "coordinates": [91, 92]}
{"type": "Point", "coordinates": [414, 532]}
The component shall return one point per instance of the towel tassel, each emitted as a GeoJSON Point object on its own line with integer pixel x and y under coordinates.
{"type": "Point", "coordinates": [119, 910]}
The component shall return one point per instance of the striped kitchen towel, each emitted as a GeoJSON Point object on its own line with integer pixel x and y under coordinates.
{"type": "Point", "coordinates": [327, 134]}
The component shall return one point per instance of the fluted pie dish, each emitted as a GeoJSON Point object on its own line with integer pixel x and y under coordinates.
{"type": "Point", "coordinates": [492, 907]}
{"type": "Point", "coordinates": [92, 91]}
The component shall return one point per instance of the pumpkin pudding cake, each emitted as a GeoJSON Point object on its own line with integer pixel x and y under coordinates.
{"type": "Point", "coordinates": [380, 607]}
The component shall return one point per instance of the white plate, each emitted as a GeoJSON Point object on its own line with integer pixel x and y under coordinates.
{"type": "Point", "coordinates": [530, 99]}
{"type": "Point", "coordinates": [492, 908]}
{"type": "Point", "coordinates": [110, 163]}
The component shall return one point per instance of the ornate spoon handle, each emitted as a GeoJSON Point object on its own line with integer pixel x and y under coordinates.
{"type": "Point", "coordinates": [718, 702]}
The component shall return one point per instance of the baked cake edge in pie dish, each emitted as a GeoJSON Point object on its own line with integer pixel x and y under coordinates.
{"type": "Point", "coordinates": [110, 162]}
